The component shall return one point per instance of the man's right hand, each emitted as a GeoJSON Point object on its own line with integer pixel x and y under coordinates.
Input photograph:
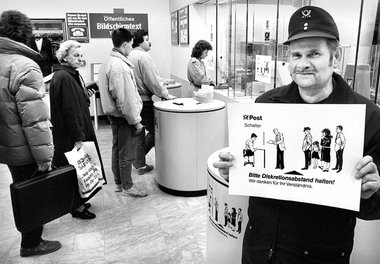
{"type": "Point", "coordinates": [139, 127]}
{"type": "Point", "coordinates": [224, 164]}
{"type": "Point", "coordinates": [44, 166]}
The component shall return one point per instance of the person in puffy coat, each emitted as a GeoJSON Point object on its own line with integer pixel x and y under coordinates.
{"type": "Point", "coordinates": [26, 144]}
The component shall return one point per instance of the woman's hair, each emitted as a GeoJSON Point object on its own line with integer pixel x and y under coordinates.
{"type": "Point", "coordinates": [121, 35]}
{"type": "Point", "coordinates": [138, 37]}
{"type": "Point", "coordinates": [316, 143]}
{"type": "Point", "coordinates": [16, 26]}
{"type": "Point", "coordinates": [64, 48]}
{"type": "Point", "coordinates": [199, 47]}
{"type": "Point", "coordinates": [327, 132]}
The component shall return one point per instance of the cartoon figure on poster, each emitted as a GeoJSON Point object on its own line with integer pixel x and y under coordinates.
{"type": "Point", "coordinates": [280, 146]}
{"type": "Point", "coordinates": [315, 149]}
{"type": "Point", "coordinates": [225, 214]}
{"type": "Point", "coordinates": [325, 150]}
{"type": "Point", "coordinates": [216, 205]}
{"type": "Point", "coordinates": [340, 143]}
{"type": "Point", "coordinates": [239, 219]}
{"type": "Point", "coordinates": [249, 150]}
{"type": "Point", "coordinates": [306, 147]}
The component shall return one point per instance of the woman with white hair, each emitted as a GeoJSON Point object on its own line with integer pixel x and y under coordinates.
{"type": "Point", "coordinates": [70, 115]}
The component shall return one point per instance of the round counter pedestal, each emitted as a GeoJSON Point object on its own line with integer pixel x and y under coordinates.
{"type": "Point", "coordinates": [227, 218]}
{"type": "Point", "coordinates": [186, 133]}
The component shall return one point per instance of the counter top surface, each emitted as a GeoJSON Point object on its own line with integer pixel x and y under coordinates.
{"type": "Point", "coordinates": [188, 105]}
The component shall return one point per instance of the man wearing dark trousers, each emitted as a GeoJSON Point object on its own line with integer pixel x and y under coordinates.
{"type": "Point", "coordinates": [26, 143]}
{"type": "Point", "coordinates": [340, 143]}
{"type": "Point", "coordinates": [306, 147]}
{"type": "Point", "coordinates": [287, 232]}
{"type": "Point", "coordinates": [148, 84]}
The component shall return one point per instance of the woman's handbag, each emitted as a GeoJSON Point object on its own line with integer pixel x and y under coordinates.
{"type": "Point", "coordinates": [44, 198]}
{"type": "Point", "coordinates": [87, 165]}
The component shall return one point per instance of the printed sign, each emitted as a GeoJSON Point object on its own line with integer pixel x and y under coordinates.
{"type": "Point", "coordinates": [77, 27]}
{"type": "Point", "coordinates": [263, 68]}
{"type": "Point", "coordinates": [183, 15]}
{"type": "Point", "coordinates": [102, 25]}
{"type": "Point", "coordinates": [174, 27]}
{"type": "Point", "coordinates": [297, 152]}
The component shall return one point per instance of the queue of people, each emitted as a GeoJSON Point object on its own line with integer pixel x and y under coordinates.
{"type": "Point", "coordinates": [32, 143]}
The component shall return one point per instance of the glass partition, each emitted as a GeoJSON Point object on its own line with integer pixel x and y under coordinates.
{"type": "Point", "coordinates": [249, 55]}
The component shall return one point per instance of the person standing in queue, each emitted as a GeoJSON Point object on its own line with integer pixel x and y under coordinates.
{"type": "Point", "coordinates": [26, 143]}
{"type": "Point", "coordinates": [122, 103]}
{"type": "Point", "coordinates": [280, 231]}
{"type": "Point", "coordinates": [148, 84]}
{"type": "Point", "coordinates": [70, 114]}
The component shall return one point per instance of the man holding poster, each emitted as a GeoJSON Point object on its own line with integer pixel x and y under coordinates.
{"type": "Point", "coordinates": [283, 231]}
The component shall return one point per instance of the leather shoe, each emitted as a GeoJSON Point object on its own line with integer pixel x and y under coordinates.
{"type": "Point", "coordinates": [305, 168]}
{"type": "Point", "coordinates": [338, 170]}
{"type": "Point", "coordinates": [44, 247]}
{"type": "Point", "coordinates": [85, 214]}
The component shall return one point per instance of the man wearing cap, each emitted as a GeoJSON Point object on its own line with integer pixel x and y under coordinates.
{"type": "Point", "coordinates": [298, 233]}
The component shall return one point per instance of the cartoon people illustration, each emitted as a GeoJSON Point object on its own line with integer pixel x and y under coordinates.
{"type": "Point", "coordinates": [211, 206]}
{"type": "Point", "coordinates": [225, 214]}
{"type": "Point", "coordinates": [315, 154]}
{"type": "Point", "coordinates": [216, 205]}
{"type": "Point", "coordinates": [325, 149]}
{"type": "Point", "coordinates": [249, 150]}
{"type": "Point", "coordinates": [306, 147]}
{"type": "Point", "coordinates": [239, 219]}
{"type": "Point", "coordinates": [280, 145]}
{"type": "Point", "coordinates": [229, 220]}
{"type": "Point", "coordinates": [340, 143]}
{"type": "Point", "coordinates": [233, 219]}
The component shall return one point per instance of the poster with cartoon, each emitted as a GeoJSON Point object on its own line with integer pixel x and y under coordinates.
{"type": "Point", "coordinates": [297, 152]}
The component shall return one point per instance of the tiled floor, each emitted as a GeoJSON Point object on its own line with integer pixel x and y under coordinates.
{"type": "Point", "coordinates": [156, 229]}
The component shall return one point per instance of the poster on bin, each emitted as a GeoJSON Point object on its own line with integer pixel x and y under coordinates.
{"type": "Point", "coordinates": [297, 152]}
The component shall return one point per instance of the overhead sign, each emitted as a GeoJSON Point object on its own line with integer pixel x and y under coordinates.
{"type": "Point", "coordinates": [102, 25]}
{"type": "Point", "coordinates": [77, 26]}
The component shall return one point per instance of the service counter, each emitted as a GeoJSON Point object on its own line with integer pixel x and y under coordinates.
{"type": "Point", "coordinates": [227, 218]}
{"type": "Point", "coordinates": [186, 133]}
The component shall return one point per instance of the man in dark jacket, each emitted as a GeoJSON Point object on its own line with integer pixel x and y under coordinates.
{"type": "Point", "coordinates": [298, 233]}
{"type": "Point", "coordinates": [26, 141]}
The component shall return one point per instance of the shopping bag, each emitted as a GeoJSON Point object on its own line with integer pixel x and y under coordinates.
{"type": "Point", "coordinates": [89, 147]}
{"type": "Point", "coordinates": [89, 175]}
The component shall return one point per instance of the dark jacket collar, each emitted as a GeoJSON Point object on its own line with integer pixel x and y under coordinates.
{"type": "Point", "coordinates": [341, 94]}
{"type": "Point", "coordinates": [69, 69]}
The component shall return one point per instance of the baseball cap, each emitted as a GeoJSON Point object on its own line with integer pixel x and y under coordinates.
{"type": "Point", "coordinates": [311, 21]}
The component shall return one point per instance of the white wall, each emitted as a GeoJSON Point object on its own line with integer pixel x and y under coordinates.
{"type": "Point", "coordinates": [181, 54]}
{"type": "Point", "coordinates": [98, 49]}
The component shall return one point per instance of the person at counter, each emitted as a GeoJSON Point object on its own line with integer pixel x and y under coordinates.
{"type": "Point", "coordinates": [148, 84]}
{"type": "Point", "coordinates": [282, 231]}
{"type": "Point", "coordinates": [196, 70]}
{"type": "Point", "coordinates": [122, 103]}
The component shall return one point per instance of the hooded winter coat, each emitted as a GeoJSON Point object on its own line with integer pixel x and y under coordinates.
{"type": "Point", "coordinates": [24, 117]}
